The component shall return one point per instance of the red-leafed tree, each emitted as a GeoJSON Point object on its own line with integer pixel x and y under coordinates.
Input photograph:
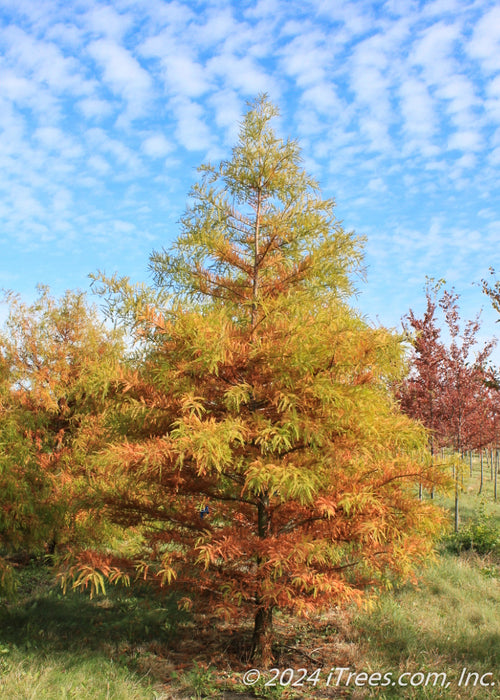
{"type": "Point", "coordinates": [448, 387]}
{"type": "Point", "coordinates": [448, 384]}
{"type": "Point", "coordinates": [421, 392]}
{"type": "Point", "coordinates": [466, 377]}
{"type": "Point", "coordinates": [492, 290]}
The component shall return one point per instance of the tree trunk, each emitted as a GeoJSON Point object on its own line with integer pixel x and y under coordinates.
{"type": "Point", "coordinates": [496, 476]}
{"type": "Point", "coordinates": [256, 261]}
{"type": "Point", "coordinates": [262, 641]}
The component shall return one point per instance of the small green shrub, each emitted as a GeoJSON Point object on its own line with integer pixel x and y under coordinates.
{"type": "Point", "coordinates": [200, 682]}
{"type": "Point", "coordinates": [272, 692]}
{"type": "Point", "coordinates": [480, 534]}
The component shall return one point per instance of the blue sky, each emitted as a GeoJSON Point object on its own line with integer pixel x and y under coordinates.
{"type": "Point", "coordinates": [106, 109]}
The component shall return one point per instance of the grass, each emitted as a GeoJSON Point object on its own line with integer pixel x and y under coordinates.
{"type": "Point", "coordinates": [55, 646]}
{"type": "Point", "coordinates": [450, 621]}
{"type": "Point", "coordinates": [133, 645]}
{"type": "Point", "coordinates": [27, 675]}
{"type": "Point", "coordinates": [469, 496]}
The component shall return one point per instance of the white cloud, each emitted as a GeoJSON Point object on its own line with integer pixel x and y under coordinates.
{"type": "Point", "coordinates": [418, 112]}
{"type": "Point", "coordinates": [242, 74]}
{"type": "Point", "coordinates": [123, 154]}
{"type": "Point", "coordinates": [494, 156]}
{"type": "Point", "coordinates": [377, 184]}
{"type": "Point", "coordinates": [465, 141]}
{"type": "Point", "coordinates": [433, 52]}
{"type": "Point", "coordinates": [65, 35]}
{"type": "Point", "coordinates": [323, 98]}
{"type": "Point", "coordinates": [173, 14]}
{"type": "Point", "coordinates": [485, 42]}
{"type": "Point", "coordinates": [124, 227]}
{"type": "Point", "coordinates": [228, 109]}
{"type": "Point", "coordinates": [263, 9]}
{"type": "Point", "coordinates": [218, 25]}
{"type": "Point", "coordinates": [192, 131]}
{"type": "Point", "coordinates": [306, 58]}
{"type": "Point", "coordinates": [100, 164]}
{"type": "Point", "coordinates": [123, 73]}
{"type": "Point", "coordinates": [105, 21]}
{"type": "Point", "coordinates": [45, 63]}
{"type": "Point", "coordinates": [492, 102]}
{"type": "Point", "coordinates": [462, 103]}
{"type": "Point", "coordinates": [466, 162]}
{"type": "Point", "coordinates": [25, 204]}
{"type": "Point", "coordinates": [156, 146]}
{"type": "Point", "coordinates": [371, 76]}
{"type": "Point", "coordinates": [62, 200]}
{"type": "Point", "coordinates": [357, 18]}
{"type": "Point", "coordinates": [16, 88]}
{"type": "Point", "coordinates": [93, 107]}
{"type": "Point", "coordinates": [376, 132]}
{"type": "Point", "coordinates": [182, 72]}
{"type": "Point", "coordinates": [440, 7]}
{"type": "Point", "coordinates": [55, 140]}
{"type": "Point", "coordinates": [183, 76]}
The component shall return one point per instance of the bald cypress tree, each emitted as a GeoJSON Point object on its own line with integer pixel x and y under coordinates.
{"type": "Point", "coordinates": [56, 362]}
{"type": "Point", "coordinates": [265, 459]}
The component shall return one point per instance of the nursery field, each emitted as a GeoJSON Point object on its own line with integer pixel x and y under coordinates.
{"type": "Point", "coordinates": [478, 498]}
{"type": "Point", "coordinates": [414, 642]}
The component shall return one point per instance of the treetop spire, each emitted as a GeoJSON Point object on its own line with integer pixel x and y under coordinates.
{"type": "Point", "coordinates": [257, 227]}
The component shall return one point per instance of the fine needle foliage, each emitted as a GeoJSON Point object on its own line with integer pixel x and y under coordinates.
{"type": "Point", "coordinates": [56, 366]}
{"type": "Point", "coordinates": [257, 448]}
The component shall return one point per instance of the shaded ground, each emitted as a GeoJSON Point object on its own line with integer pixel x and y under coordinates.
{"type": "Point", "coordinates": [179, 656]}
{"type": "Point", "coordinates": [140, 647]}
